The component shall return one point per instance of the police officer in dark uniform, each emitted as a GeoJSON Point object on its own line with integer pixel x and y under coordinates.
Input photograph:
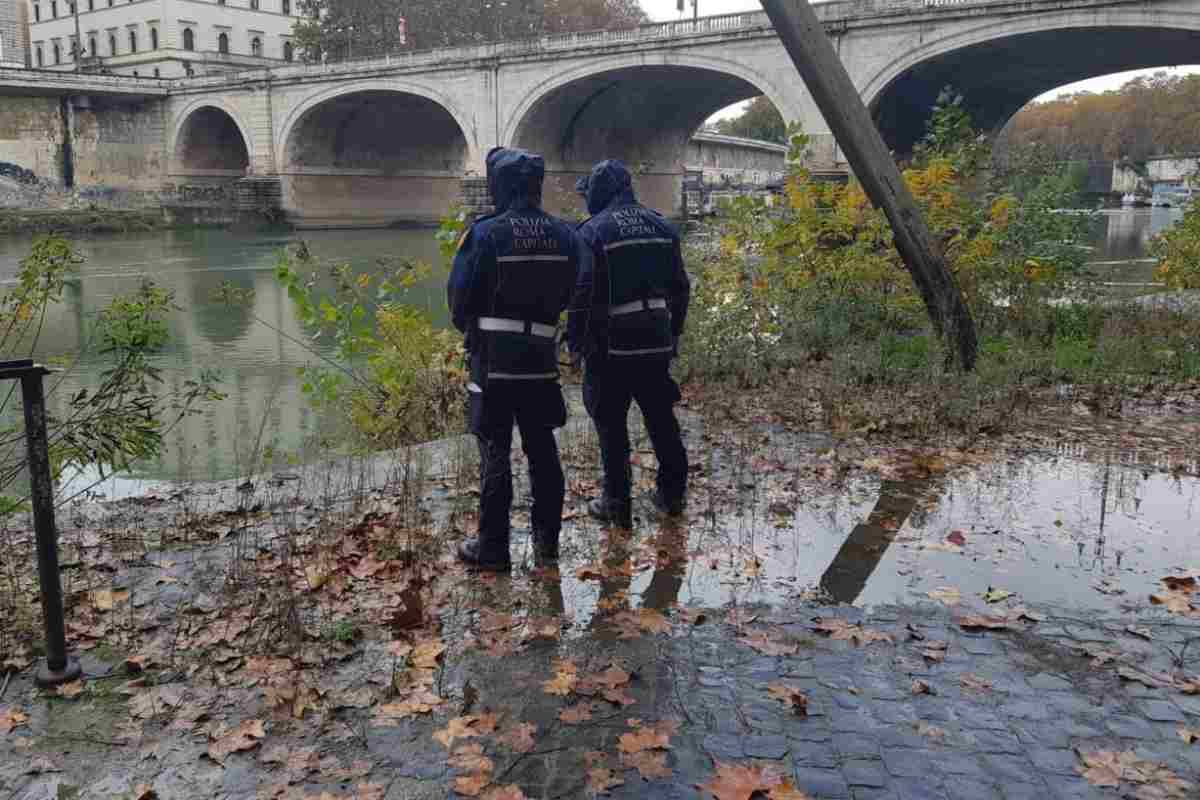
{"type": "Point", "coordinates": [512, 278]}
{"type": "Point", "coordinates": [627, 315]}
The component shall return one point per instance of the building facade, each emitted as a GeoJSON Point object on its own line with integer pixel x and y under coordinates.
{"type": "Point", "coordinates": [12, 33]}
{"type": "Point", "coordinates": [160, 38]}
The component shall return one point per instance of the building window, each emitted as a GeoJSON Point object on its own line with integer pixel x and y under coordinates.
{"type": "Point", "coordinates": [223, 43]}
{"type": "Point", "coordinates": [156, 73]}
{"type": "Point", "coordinates": [92, 51]}
{"type": "Point", "coordinates": [57, 53]}
{"type": "Point", "coordinates": [112, 44]}
{"type": "Point", "coordinates": [37, 13]}
{"type": "Point", "coordinates": [54, 9]}
{"type": "Point", "coordinates": [41, 58]}
{"type": "Point", "coordinates": [72, 7]}
{"type": "Point", "coordinates": [220, 2]}
{"type": "Point", "coordinates": [189, 39]}
{"type": "Point", "coordinates": [135, 72]}
{"type": "Point", "coordinates": [91, 5]}
{"type": "Point", "coordinates": [254, 5]}
{"type": "Point", "coordinates": [154, 38]}
{"type": "Point", "coordinates": [133, 41]}
{"type": "Point", "coordinates": [288, 53]}
{"type": "Point", "coordinates": [256, 46]}
{"type": "Point", "coordinates": [286, 7]}
{"type": "Point", "coordinates": [110, 3]}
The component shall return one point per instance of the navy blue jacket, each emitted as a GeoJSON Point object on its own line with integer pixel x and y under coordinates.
{"type": "Point", "coordinates": [632, 295]}
{"type": "Point", "coordinates": [513, 276]}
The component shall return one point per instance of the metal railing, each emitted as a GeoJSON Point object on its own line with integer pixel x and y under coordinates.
{"type": "Point", "coordinates": [83, 80]}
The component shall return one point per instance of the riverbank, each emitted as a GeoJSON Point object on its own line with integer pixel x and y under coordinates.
{"type": "Point", "coordinates": [88, 221]}
{"type": "Point", "coordinates": [856, 613]}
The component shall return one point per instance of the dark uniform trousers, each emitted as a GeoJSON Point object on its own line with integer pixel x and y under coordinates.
{"type": "Point", "coordinates": [610, 386]}
{"type": "Point", "coordinates": [536, 408]}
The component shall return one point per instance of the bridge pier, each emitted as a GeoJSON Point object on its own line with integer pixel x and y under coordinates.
{"type": "Point", "coordinates": [362, 199]}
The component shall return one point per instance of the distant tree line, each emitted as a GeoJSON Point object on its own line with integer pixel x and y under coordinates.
{"type": "Point", "coordinates": [1148, 116]}
{"type": "Point", "coordinates": [339, 29]}
{"type": "Point", "coordinates": [759, 120]}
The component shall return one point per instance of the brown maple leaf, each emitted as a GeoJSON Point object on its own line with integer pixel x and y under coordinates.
{"type": "Point", "coordinates": [985, 621]}
{"type": "Point", "coordinates": [790, 696]}
{"type": "Point", "coordinates": [11, 718]}
{"type": "Point", "coordinates": [740, 781]}
{"type": "Point", "coordinates": [858, 635]}
{"type": "Point", "coordinates": [421, 701]}
{"type": "Point", "coordinates": [1175, 602]}
{"type": "Point", "coordinates": [973, 682]}
{"type": "Point", "coordinates": [613, 677]}
{"type": "Point", "coordinates": [427, 653]}
{"type": "Point", "coordinates": [472, 785]}
{"type": "Point", "coordinates": [786, 791]}
{"type": "Point", "coordinates": [573, 715]}
{"type": "Point", "coordinates": [70, 690]}
{"type": "Point", "coordinates": [566, 676]}
{"type": "Point", "coordinates": [648, 737]}
{"type": "Point", "coordinates": [457, 728]}
{"type": "Point", "coordinates": [246, 736]}
{"type": "Point", "coordinates": [520, 737]}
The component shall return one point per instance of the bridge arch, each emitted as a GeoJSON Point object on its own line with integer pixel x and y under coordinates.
{"type": "Point", "coordinates": [210, 140]}
{"type": "Point", "coordinates": [640, 107]}
{"type": "Point", "coordinates": [372, 153]}
{"type": "Point", "coordinates": [1000, 66]}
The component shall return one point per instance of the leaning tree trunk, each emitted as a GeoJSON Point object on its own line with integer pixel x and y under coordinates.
{"type": "Point", "coordinates": [852, 127]}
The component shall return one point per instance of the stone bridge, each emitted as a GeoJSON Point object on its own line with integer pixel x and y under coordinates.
{"type": "Point", "coordinates": [377, 141]}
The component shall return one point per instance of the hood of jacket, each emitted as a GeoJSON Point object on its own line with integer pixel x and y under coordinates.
{"type": "Point", "coordinates": [610, 181]}
{"type": "Point", "coordinates": [512, 177]}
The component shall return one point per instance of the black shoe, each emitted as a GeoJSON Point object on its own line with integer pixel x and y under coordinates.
{"type": "Point", "coordinates": [611, 511]}
{"type": "Point", "coordinates": [669, 508]}
{"type": "Point", "coordinates": [545, 546]}
{"type": "Point", "coordinates": [476, 557]}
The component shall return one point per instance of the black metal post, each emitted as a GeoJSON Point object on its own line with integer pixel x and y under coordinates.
{"type": "Point", "coordinates": [59, 667]}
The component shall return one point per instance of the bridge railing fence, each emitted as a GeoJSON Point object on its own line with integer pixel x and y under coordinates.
{"type": "Point", "coordinates": [721, 23]}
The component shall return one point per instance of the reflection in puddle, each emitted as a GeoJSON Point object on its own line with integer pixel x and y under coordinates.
{"type": "Point", "coordinates": [1048, 529]}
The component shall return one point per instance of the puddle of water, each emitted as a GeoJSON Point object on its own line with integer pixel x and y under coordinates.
{"type": "Point", "coordinates": [1054, 530]}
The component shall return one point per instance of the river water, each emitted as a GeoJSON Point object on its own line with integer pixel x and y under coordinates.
{"type": "Point", "coordinates": [258, 362]}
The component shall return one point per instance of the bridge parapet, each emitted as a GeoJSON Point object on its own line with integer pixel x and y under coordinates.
{"type": "Point", "coordinates": [48, 81]}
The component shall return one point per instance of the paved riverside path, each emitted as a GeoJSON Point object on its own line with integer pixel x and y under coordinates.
{"type": "Point", "coordinates": [1004, 717]}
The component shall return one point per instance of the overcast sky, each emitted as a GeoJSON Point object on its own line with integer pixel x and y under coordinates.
{"type": "Point", "coordinates": [667, 9]}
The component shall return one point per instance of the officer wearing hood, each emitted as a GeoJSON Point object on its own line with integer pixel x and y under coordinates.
{"type": "Point", "coordinates": [512, 278]}
{"type": "Point", "coordinates": [627, 314]}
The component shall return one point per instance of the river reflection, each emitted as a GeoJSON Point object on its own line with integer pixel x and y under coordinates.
{"type": "Point", "coordinates": [258, 364]}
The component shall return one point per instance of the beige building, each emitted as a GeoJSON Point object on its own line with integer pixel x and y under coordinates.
{"type": "Point", "coordinates": [13, 36]}
{"type": "Point", "coordinates": [160, 38]}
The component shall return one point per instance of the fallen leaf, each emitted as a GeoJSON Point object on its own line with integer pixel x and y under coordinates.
{"type": "Point", "coordinates": [564, 680]}
{"type": "Point", "coordinates": [973, 682]}
{"type": "Point", "coordinates": [573, 715]}
{"type": "Point", "coordinates": [108, 599]}
{"type": "Point", "coordinates": [984, 621]}
{"type": "Point", "coordinates": [921, 687]}
{"type": "Point", "coordinates": [648, 737]}
{"type": "Point", "coordinates": [1189, 735]}
{"type": "Point", "coordinates": [790, 696]}
{"type": "Point", "coordinates": [740, 782]}
{"type": "Point", "coordinates": [70, 690]}
{"type": "Point", "coordinates": [144, 791]}
{"type": "Point", "coordinates": [11, 718]}
{"type": "Point", "coordinates": [996, 595]}
{"type": "Point", "coordinates": [1110, 768]}
{"type": "Point", "coordinates": [519, 739]}
{"type": "Point", "coordinates": [1175, 602]}
{"type": "Point", "coordinates": [457, 728]}
{"type": "Point", "coordinates": [957, 538]}
{"type": "Point", "coordinates": [786, 791]}
{"type": "Point", "coordinates": [246, 736]}
{"type": "Point", "coordinates": [930, 731]}
{"type": "Point", "coordinates": [946, 594]}
{"type": "Point", "coordinates": [509, 792]}
{"type": "Point", "coordinates": [472, 785]}
{"type": "Point", "coordinates": [841, 629]}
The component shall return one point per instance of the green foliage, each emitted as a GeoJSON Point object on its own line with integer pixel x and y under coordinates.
{"type": "Point", "coordinates": [760, 120]}
{"type": "Point", "coordinates": [126, 415]}
{"type": "Point", "coordinates": [394, 377]}
{"type": "Point", "coordinates": [1178, 251]}
{"type": "Point", "coordinates": [363, 28]}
